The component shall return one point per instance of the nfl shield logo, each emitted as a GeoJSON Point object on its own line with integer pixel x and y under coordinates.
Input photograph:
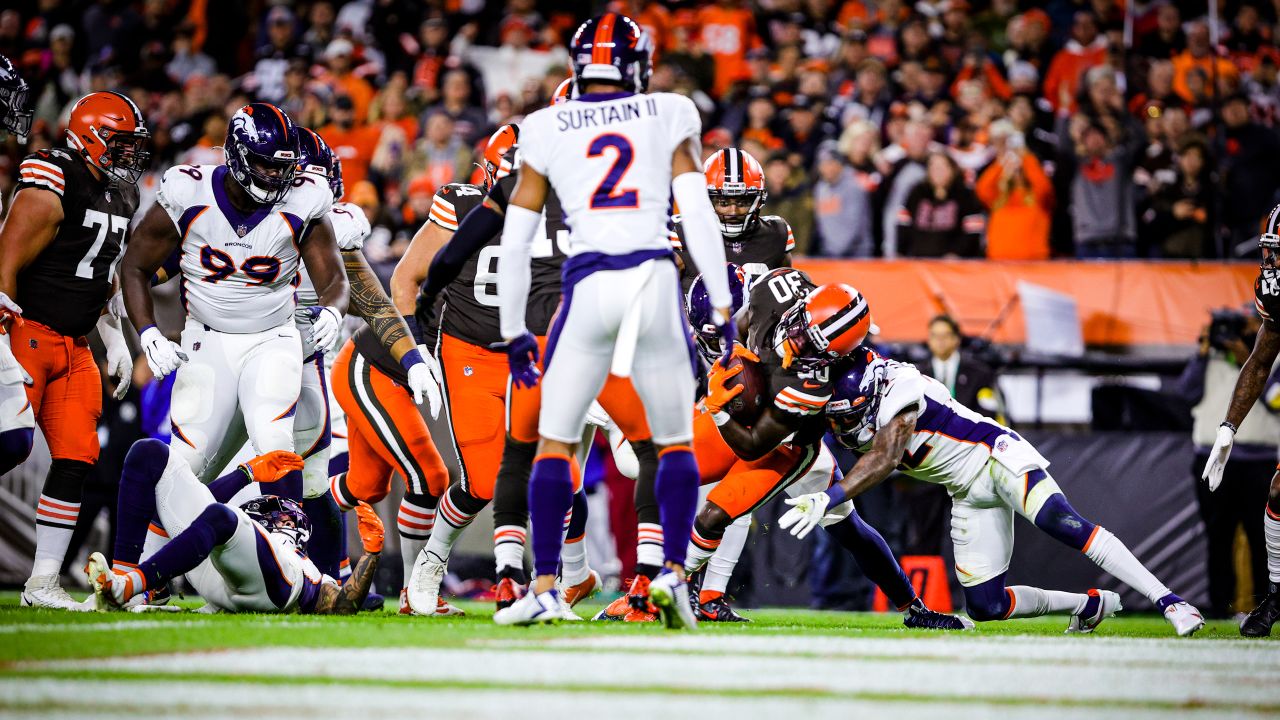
{"type": "Point", "coordinates": [195, 347]}
{"type": "Point", "coordinates": [1002, 445]}
{"type": "Point", "coordinates": [735, 246]}
{"type": "Point", "coordinates": [467, 371]}
{"type": "Point", "coordinates": [241, 230]}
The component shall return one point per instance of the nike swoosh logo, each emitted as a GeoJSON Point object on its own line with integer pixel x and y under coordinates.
{"type": "Point", "coordinates": [811, 386]}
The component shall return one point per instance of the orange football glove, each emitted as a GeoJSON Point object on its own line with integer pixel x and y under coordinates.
{"type": "Point", "coordinates": [717, 394]}
{"type": "Point", "coordinates": [270, 467]}
{"type": "Point", "coordinates": [371, 530]}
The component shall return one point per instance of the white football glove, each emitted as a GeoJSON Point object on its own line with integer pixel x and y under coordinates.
{"type": "Point", "coordinates": [163, 355]}
{"type": "Point", "coordinates": [7, 304]}
{"type": "Point", "coordinates": [11, 371]}
{"type": "Point", "coordinates": [1218, 457]}
{"type": "Point", "coordinates": [598, 417]}
{"type": "Point", "coordinates": [115, 306]}
{"type": "Point", "coordinates": [326, 326]}
{"type": "Point", "coordinates": [119, 359]}
{"type": "Point", "coordinates": [806, 513]}
{"type": "Point", "coordinates": [424, 382]}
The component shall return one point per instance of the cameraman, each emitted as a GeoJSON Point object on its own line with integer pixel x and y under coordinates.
{"type": "Point", "coordinates": [1206, 383]}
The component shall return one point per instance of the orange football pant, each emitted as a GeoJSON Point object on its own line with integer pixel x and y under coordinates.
{"type": "Point", "coordinates": [744, 484]}
{"type": "Point", "coordinates": [66, 389]}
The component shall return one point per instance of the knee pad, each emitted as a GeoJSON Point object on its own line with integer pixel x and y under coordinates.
{"type": "Point", "coordinates": [711, 522]}
{"type": "Point", "coordinates": [222, 520]}
{"type": "Point", "coordinates": [15, 446]}
{"type": "Point", "coordinates": [988, 600]}
{"type": "Point", "coordinates": [1063, 523]}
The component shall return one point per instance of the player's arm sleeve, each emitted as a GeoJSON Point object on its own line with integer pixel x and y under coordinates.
{"type": "Point", "coordinates": [474, 232]}
{"type": "Point", "coordinates": [514, 275]}
{"type": "Point", "coordinates": [702, 234]}
{"type": "Point", "coordinates": [791, 237]}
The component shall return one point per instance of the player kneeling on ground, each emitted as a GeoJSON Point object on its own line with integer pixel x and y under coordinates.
{"type": "Point", "coordinates": [245, 559]}
{"type": "Point", "coordinates": [897, 418]}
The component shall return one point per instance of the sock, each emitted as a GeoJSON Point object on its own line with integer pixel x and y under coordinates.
{"type": "Point", "coordinates": [215, 525]}
{"type": "Point", "coordinates": [15, 446]}
{"type": "Point", "coordinates": [57, 512]}
{"type": "Point", "coordinates": [677, 490]}
{"type": "Point", "coordinates": [511, 489]}
{"type": "Point", "coordinates": [341, 494]}
{"type": "Point", "coordinates": [1034, 602]}
{"type": "Point", "coordinates": [157, 538]}
{"type": "Point", "coordinates": [508, 551]}
{"type": "Point", "coordinates": [225, 488]}
{"type": "Point", "coordinates": [289, 486]}
{"type": "Point", "coordinates": [344, 568]}
{"type": "Point", "coordinates": [703, 542]}
{"type": "Point", "coordinates": [573, 556]}
{"type": "Point", "coordinates": [136, 504]}
{"type": "Point", "coordinates": [1271, 531]}
{"type": "Point", "coordinates": [1111, 555]}
{"type": "Point", "coordinates": [875, 558]}
{"type": "Point", "coordinates": [720, 566]}
{"type": "Point", "coordinates": [456, 511]}
{"type": "Point", "coordinates": [415, 523]}
{"type": "Point", "coordinates": [324, 547]}
{"type": "Point", "coordinates": [550, 497]}
{"type": "Point", "coordinates": [648, 547]}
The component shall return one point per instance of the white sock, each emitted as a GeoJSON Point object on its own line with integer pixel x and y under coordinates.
{"type": "Point", "coordinates": [573, 562]}
{"type": "Point", "coordinates": [55, 521]}
{"type": "Point", "coordinates": [153, 542]}
{"type": "Point", "coordinates": [450, 522]}
{"type": "Point", "coordinates": [1271, 531]}
{"type": "Point", "coordinates": [1111, 555]}
{"type": "Point", "coordinates": [649, 545]}
{"type": "Point", "coordinates": [508, 546]}
{"type": "Point", "coordinates": [1034, 602]}
{"type": "Point", "coordinates": [699, 549]}
{"type": "Point", "coordinates": [720, 566]}
{"type": "Point", "coordinates": [414, 523]}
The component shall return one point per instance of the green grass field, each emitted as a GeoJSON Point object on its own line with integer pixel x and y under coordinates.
{"type": "Point", "coordinates": [785, 663]}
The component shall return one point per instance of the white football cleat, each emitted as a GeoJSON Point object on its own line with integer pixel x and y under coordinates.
{"type": "Point", "coordinates": [443, 607]}
{"type": "Point", "coordinates": [1184, 618]}
{"type": "Point", "coordinates": [44, 591]}
{"type": "Point", "coordinates": [532, 609]}
{"type": "Point", "coordinates": [424, 583]}
{"type": "Point", "coordinates": [107, 596]}
{"type": "Point", "coordinates": [1108, 606]}
{"type": "Point", "coordinates": [670, 594]}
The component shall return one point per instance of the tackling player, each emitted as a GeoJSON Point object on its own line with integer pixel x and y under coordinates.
{"type": "Point", "coordinates": [1249, 386]}
{"type": "Point", "coordinates": [615, 157]}
{"type": "Point", "coordinates": [243, 228]}
{"type": "Point", "coordinates": [239, 559]}
{"type": "Point", "coordinates": [58, 251]}
{"type": "Point", "coordinates": [896, 418]}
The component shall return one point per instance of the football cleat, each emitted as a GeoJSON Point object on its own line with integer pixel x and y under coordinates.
{"type": "Point", "coordinates": [424, 583]}
{"type": "Point", "coordinates": [636, 600]}
{"type": "Point", "coordinates": [507, 592]}
{"type": "Point", "coordinates": [919, 617]}
{"type": "Point", "coordinates": [1258, 623]}
{"type": "Point", "coordinates": [1184, 618]}
{"type": "Point", "coordinates": [1101, 605]}
{"type": "Point", "coordinates": [44, 591]}
{"type": "Point", "coordinates": [373, 602]}
{"type": "Point", "coordinates": [160, 596]}
{"type": "Point", "coordinates": [110, 591]}
{"type": "Point", "coordinates": [443, 608]}
{"type": "Point", "coordinates": [533, 609]}
{"type": "Point", "coordinates": [669, 593]}
{"type": "Point", "coordinates": [717, 610]}
{"type": "Point", "coordinates": [574, 594]}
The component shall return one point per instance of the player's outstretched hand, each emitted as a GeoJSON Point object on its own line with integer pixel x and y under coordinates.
{"type": "Point", "coordinates": [522, 356]}
{"type": "Point", "coordinates": [271, 466]}
{"type": "Point", "coordinates": [119, 366]}
{"type": "Point", "coordinates": [326, 325]}
{"type": "Point", "coordinates": [717, 394]}
{"type": "Point", "coordinates": [10, 313]}
{"type": "Point", "coordinates": [805, 514]}
{"type": "Point", "coordinates": [1218, 457]}
{"type": "Point", "coordinates": [424, 381]}
{"type": "Point", "coordinates": [163, 355]}
{"type": "Point", "coordinates": [371, 529]}
{"type": "Point", "coordinates": [728, 332]}
{"type": "Point", "coordinates": [10, 369]}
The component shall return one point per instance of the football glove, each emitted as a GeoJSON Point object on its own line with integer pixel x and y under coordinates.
{"type": "Point", "coordinates": [424, 382]}
{"type": "Point", "coordinates": [326, 325]}
{"type": "Point", "coordinates": [11, 371]}
{"type": "Point", "coordinates": [119, 359]}
{"type": "Point", "coordinates": [728, 331]}
{"type": "Point", "coordinates": [9, 310]}
{"type": "Point", "coordinates": [1218, 456]}
{"type": "Point", "coordinates": [163, 355]}
{"type": "Point", "coordinates": [806, 513]}
{"type": "Point", "coordinates": [522, 356]}
{"type": "Point", "coordinates": [717, 394]}
{"type": "Point", "coordinates": [270, 467]}
{"type": "Point", "coordinates": [371, 529]}
{"type": "Point", "coordinates": [115, 306]}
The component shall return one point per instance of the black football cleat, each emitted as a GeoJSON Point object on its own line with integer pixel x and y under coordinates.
{"type": "Point", "coordinates": [920, 617]}
{"type": "Point", "coordinates": [718, 610]}
{"type": "Point", "coordinates": [373, 602]}
{"type": "Point", "coordinates": [1258, 623]}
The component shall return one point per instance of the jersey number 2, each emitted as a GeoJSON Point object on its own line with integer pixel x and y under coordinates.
{"type": "Point", "coordinates": [608, 196]}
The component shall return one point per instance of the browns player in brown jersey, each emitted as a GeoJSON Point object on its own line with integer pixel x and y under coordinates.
{"type": "Point", "coordinates": [58, 251]}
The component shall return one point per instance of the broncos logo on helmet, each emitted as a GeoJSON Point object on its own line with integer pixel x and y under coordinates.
{"type": "Point", "coordinates": [262, 151]}
{"type": "Point", "coordinates": [856, 400]}
{"type": "Point", "coordinates": [611, 48]}
{"type": "Point", "coordinates": [702, 314]}
{"type": "Point", "coordinates": [280, 515]}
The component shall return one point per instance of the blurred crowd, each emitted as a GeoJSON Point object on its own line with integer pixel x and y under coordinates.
{"type": "Point", "coordinates": [1001, 129]}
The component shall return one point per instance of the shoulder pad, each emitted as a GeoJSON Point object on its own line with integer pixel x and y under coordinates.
{"type": "Point", "coordinates": [310, 197]}
{"type": "Point", "coordinates": [452, 203]}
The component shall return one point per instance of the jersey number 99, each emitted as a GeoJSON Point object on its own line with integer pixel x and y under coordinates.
{"type": "Point", "coordinates": [260, 269]}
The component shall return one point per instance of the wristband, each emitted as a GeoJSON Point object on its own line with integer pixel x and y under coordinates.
{"type": "Point", "coordinates": [143, 330]}
{"type": "Point", "coordinates": [720, 418]}
{"type": "Point", "coordinates": [1231, 425]}
{"type": "Point", "coordinates": [411, 358]}
{"type": "Point", "coordinates": [836, 493]}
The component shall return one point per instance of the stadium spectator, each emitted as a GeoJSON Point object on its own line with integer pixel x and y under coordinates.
{"type": "Point", "coordinates": [506, 68]}
{"type": "Point", "coordinates": [343, 81]}
{"type": "Point", "coordinates": [439, 156]}
{"type": "Point", "coordinates": [186, 61]}
{"type": "Point", "coordinates": [728, 31]}
{"type": "Point", "coordinates": [1168, 39]}
{"type": "Point", "coordinates": [1086, 49]}
{"type": "Point", "coordinates": [1019, 197]}
{"type": "Point", "coordinates": [1200, 56]}
{"type": "Point", "coordinates": [941, 216]}
{"type": "Point", "coordinates": [907, 158]}
{"type": "Point", "coordinates": [1102, 185]}
{"type": "Point", "coordinates": [1180, 211]}
{"type": "Point", "coordinates": [274, 56]}
{"type": "Point", "coordinates": [842, 208]}
{"type": "Point", "coordinates": [789, 197]}
{"type": "Point", "coordinates": [432, 56]}
{"type": "Point", "coordinates": [353, 145]}
{"type": "Point", "coordinates": [1246, 153]}
{"type": "Point", "coordinates": [456, 101]}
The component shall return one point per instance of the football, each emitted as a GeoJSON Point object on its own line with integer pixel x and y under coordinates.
{"type": "Point", "coordinates": [747, 406]}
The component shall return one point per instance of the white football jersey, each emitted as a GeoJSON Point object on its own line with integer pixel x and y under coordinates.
{"type": "Point", "coordinates": [608, 157]}
{"type": "Point", "coordinates": [238, 270]}
{"type": "Point", "coordinates": [350, 228]}
{"type": "Point", "coordinates": [951, 444]}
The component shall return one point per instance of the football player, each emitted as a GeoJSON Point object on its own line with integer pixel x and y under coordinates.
{"type": "Point", "coordinates": [1249, 387]}
{"type": "Point", "coordinates": [58, 252]}
{"type": "Point", "coordinates": [17, 422]}
{"type": "Point", "coordinates": [239, 559]}
{"type": "Point", "coordinates": [896, 418]}
{"type": "Point", "coordinates": [615, 158]}
{"type": "Point", "coordinates": [243, 228]}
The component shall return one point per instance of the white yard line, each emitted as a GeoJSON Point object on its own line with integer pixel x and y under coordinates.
{"type": "Point", "coordinates": [131, 625]}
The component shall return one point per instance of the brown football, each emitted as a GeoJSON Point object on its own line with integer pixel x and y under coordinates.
{"type": "Point", "coordinates": [747, 406]}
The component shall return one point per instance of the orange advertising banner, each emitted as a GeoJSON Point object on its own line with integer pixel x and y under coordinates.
{"type": "Point", "coordinates": [1120, 303]}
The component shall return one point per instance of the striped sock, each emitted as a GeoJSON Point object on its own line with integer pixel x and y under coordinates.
{"type": "Point", "coordinates": [55, 521]}
{"type": "Point", "coordinates": [649, 544]}
{"type": "Point", "coordinates": [1271, 531]}
{"type": "Point", "coordinates": [415, 521]}
{"type": "Point", "coordinates": [134, 584]}
{"type": "Point", "coordinates": [341, 493]}
{"type": "Point", "coordinates": [451, 521]}
{"type": "Point", "coordinates": [344, 569]}
{"type": "Point", "coordinates": [508, 547]}
{"type": "Point", "coordinates": [1111, 555]}
{"type": "Point", "coordinates": [700, 548]}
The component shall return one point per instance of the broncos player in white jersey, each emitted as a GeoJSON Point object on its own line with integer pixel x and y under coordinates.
{"type": "Point", "coordinates": [894, 417]}
{"type": "Point", "coordinates": [243, 228]}
{"type": "Point", "coordinates": [615, 157]}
